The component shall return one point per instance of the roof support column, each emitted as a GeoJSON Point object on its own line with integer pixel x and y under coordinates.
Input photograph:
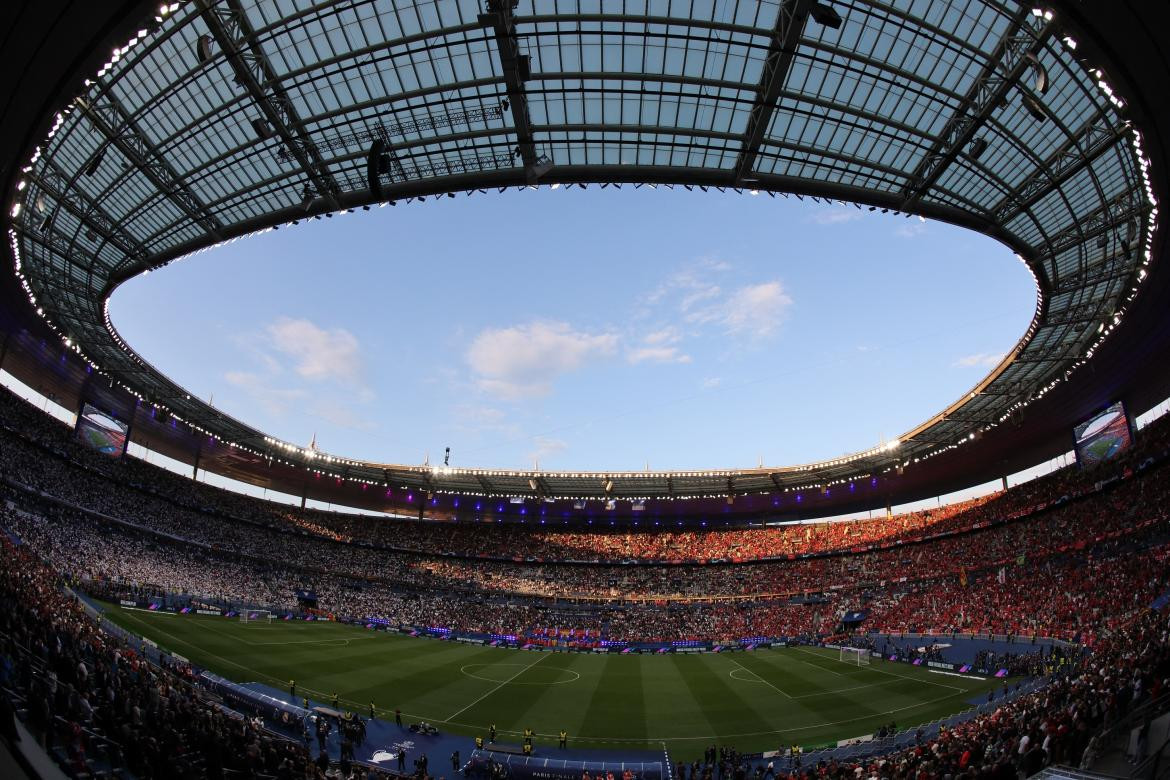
{"type": "Point", "coordinates": [790, 20]}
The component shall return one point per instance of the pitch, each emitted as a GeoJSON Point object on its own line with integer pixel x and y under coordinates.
{"type": "Point", "coordinates": [758, 700]}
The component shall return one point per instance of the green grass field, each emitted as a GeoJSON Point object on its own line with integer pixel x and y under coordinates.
{"type": "Point", "coordinates": [755, 701]}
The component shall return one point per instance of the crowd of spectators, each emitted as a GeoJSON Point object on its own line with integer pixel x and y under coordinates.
{"type": "Point", "coordinates": [536, 543]}
{"type": "Point", "coordinates": [1081, 559]}
{"type": "Point", "coordinates": [1060, 724]}
{"type": "Point", "coordinates": [125, 526]}
{"type": "Point", "coordinates": [98, 705]}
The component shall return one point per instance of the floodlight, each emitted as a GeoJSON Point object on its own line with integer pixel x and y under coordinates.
{"type": "Point", "coordinates": [825, 15]}
{"type": "Point", "coordinates": [374, 168]}
{"type": "Point", "coordinates": [1041, 84]}
{"type": "Point", "coordinates": [262, 129]}
{"type": "Point", "coordinates": [92, 168]}
{"type": "Point", "coordinates": [203, 48]}
{"type": "Point", "coordinates": [1035, 108]}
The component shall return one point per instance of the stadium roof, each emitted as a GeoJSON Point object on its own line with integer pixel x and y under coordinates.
{"type": "Point", "coordinates": [218, 120]}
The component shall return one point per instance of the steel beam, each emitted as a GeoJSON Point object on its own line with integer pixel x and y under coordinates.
{"type": "Point", "coordinates": [234, 34]}
{"type": "Point", "coordinates": [115, 124]}
{"type": "Point", "coordinates": [1079, 150]}
{"type": "Point", "coordinates": [53, 181]}
{"type": "Point", "coordinates": [790, 20]}
{"type": "Point", "coordinates": [515, 68]}
{"type": "Point", "coordinates": [988, 92]}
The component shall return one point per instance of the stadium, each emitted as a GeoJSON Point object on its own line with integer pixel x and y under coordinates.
{"type": "Point", "coordinates": [814, 619]}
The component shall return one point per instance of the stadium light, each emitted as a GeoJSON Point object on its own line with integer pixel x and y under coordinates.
{"type": "Point", "coordinates": [826, 16]}
{"type": "Point", "coordinates": [92, 169]}
{"type": "Point", "coordinates": [262, 129]}
{"type": "Point", "coordinates": [203, 48]}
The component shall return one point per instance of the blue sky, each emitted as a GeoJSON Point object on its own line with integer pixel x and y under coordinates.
{"type": "Point", "coordinates": [588, 329]}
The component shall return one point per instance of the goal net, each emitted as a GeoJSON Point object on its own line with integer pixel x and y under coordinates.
{"type": "Point", "coordinates": [257, 616]}
{"type": "Point", "coordinates": [855, 656]}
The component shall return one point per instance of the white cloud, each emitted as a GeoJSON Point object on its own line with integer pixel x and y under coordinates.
{"type": "Point", "coordinates": [711, 382]}
{"type": "Point", "coordinates": [477, 418]}
{"type": "Point", "coordinates": [546, 447]}
{"type": "Point", "coordinates": [910, 229]}
{"type": "Point", "coordinates": [342, 415]}
{"type": "Point", "coordinates": [657, 355]}
{"type": "Point", "coordinates": [318, 353]}
{"type": "Point", "coordinates": [836, 215]}
{"type": "Point", "coordinates": [522, 361]}
{"type": "Point", "coordinates": [276, 400]}
{"type": "Point", "coordinates": [755, 311]}
{"type": "Point", "coordinates": [659, 346]}
{"type": "Point", "coordinates": [983, 359]}
{"type": "Point", "coordinates": [695, 293]}
{"type": "Point", "coordinates": [690, 285]}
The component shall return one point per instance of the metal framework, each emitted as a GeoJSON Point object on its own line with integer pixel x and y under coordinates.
{"type": "Point", "coordinates": [228, 116]}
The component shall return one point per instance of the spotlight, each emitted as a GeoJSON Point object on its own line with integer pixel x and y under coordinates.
{"type": "Point", "coordinates": [826, 16]}
{"type": "Point", "coordinates": [262, 129]}
{"type": "Point", "coordinates": [978, 147]}
{"type": "Point", "coordinates": [203, 48]}
{"type": "Point", "coordinates": [1035, 108]}
{"type": "Point", "coordinates": [1041, 84]}
{"type": "Point", "coordinates": [92, 168]}
{"type": "Point", "coordinates": [374, 168]}
{"type": "Point", "coordinates": [307, 197]}
{"type": "Point", "coordinates": [447, 457]}
{"type": "Point", "coordinates": [1102, 241]}
{"type": "Point", "coordinates": [504, 104]}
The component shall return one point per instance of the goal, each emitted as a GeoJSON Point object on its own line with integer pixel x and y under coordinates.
{"type": "Point", "coordinates": [854, 656]}
{"type": "Point", "coordinates": [257, 616]}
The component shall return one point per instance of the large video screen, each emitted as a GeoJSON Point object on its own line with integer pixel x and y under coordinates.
{"type": "Point", "coordinates": [1103, 437]}
{"type": "Point", "coordinates": [101, 432]}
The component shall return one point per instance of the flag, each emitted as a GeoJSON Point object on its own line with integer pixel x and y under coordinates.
{"type": "Point", "coordinates": [963, 576]}
{"type": "Point", "coordinates": [1021, 559]}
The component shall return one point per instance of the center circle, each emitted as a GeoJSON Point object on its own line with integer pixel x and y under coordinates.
{"type": "Point", "coordinates": [538, 675]}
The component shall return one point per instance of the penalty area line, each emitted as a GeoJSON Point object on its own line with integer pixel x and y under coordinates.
{"type": "Point", "coordinates": [761, 679]}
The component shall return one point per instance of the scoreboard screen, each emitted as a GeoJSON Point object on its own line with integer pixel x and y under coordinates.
{"type": "Point", "coordinates": [1103, 437]}
{"type": "Point", "coordinates": [101, 432]}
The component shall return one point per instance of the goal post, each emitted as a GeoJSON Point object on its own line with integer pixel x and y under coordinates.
{"type": "Point", "coordinates": [854, 656]}
{"type": "Point", "coordinates": [257, 616]}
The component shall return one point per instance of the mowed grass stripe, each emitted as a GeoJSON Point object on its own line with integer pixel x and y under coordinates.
{"type": "Point", "coordinates": [629, 700]}
{"type": "Point", "coordinates": [541, 698]}
{"type": "Point", "coordinates": [617, 707]}
{"type": "Point", "coordinates": [707, 678]}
